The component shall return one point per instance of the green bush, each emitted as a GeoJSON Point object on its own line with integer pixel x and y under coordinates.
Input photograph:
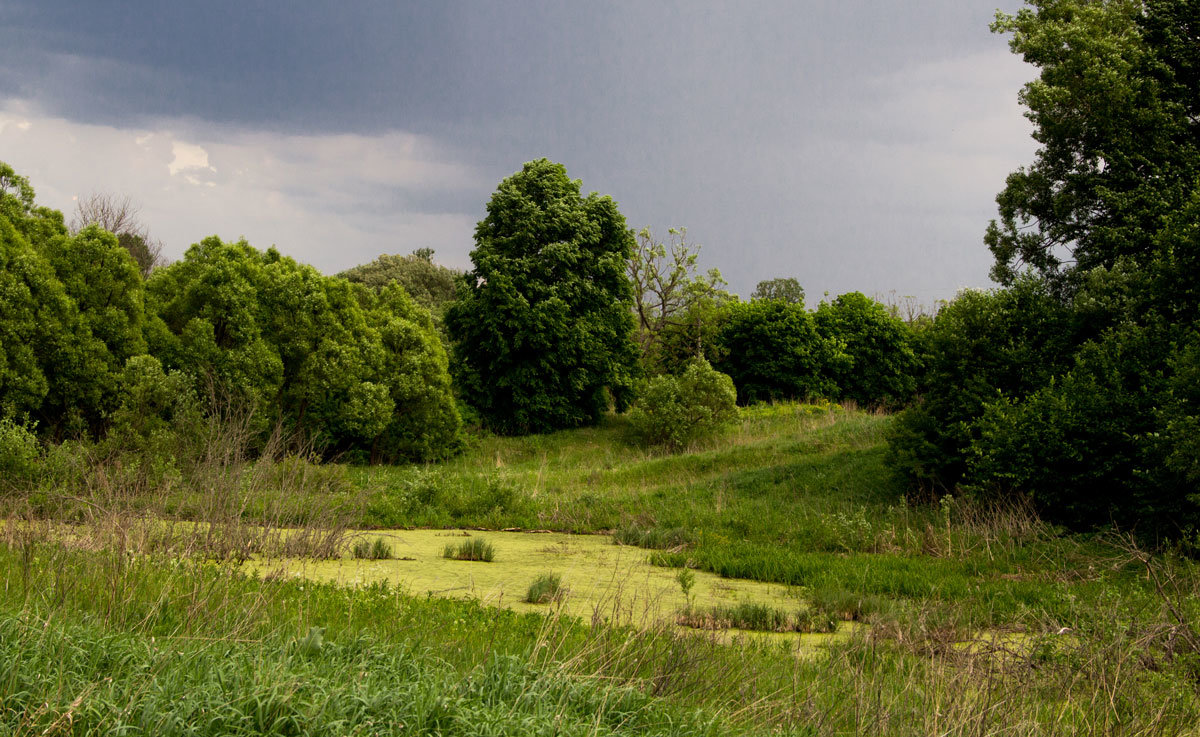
{"type": "Point", "coordinates": [676, 411]}
{"type": "Point", "coordinates": [772, 350]}
{"type": "Point", "coordinates": [980, 345]}
{"type": "Point", "coordinates": [18, 453]}
{"type": "Point", "coordinates": [1089, 447]}
{"type": "Point", "coordinates": [882, 363]}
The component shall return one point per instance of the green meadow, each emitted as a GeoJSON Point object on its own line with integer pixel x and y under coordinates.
{"type": "Point", "coordinates": [774, 581]}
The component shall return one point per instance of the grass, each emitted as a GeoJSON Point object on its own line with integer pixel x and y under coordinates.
{"type": "Point", "coordinates": [378, 550]}
{"type": "Point", "coordinates": [546, 588]}
{"type": "Point", "coordinates": [473, 549]}
{"type": "Point", "coordinates": [968, 618]}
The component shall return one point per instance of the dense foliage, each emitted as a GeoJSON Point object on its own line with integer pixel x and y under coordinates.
{"type": "Point", "coordinates": [430, 285]}
{"type": "Point", "coordinates": [882, 366]}
{"type": "Point", "coordinates": [70, 315]}
{"type": "Point", "coordinates": [772, 350]}
{"type": "Point", "coordinates": [1075, 384]}
{"type": "Point", "coordinates": [675, 411]}
{"type": "Point", "coordinates": [88, 348]}
{"type": "Point", "coordinates": [543, 331]}
{"type": "Point", "coordinates": [354, 369]}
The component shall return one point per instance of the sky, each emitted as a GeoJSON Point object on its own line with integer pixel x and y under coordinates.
{"type": "Point", "coordinates": [852, 145]}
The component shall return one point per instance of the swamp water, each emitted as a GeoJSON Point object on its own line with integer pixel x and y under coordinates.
{"type": "Point", "coordinates": [604, 582]}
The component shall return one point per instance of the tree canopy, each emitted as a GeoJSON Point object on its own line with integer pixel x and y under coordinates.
{"type": "Point", "coordinates": [354, 369]}
{"type": "Point", "coordinates": [543, 329]}
{"type": "Point", "coordinates": [430, 285]}
{"type": "Point", "coordinates": [676, 309]}
{"type": "Point", "coordinates": [1115, 112]}
{"type": "Point", "coordinates": [1071, 385]}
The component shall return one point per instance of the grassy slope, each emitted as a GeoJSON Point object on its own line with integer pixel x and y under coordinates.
{"type": "Point", "coordinates": [798, 495]}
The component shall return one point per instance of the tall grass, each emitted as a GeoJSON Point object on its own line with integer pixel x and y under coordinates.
{"type": "Point", "coordinates": [123, 608]}
{"type": "Point", "coordinates": [473, 549]}
{"type": "Point", "coordinates": [94, 641]}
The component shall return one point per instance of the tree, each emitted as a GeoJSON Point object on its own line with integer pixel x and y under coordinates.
{"type": "Point", "coordinates": [543, 329]}
{"type": "Point", "coordinates": [782, 290]}
{"type": "Point", "coordinates": [431, 285]}
{"type": "Point", "coordinates": [674, 306]}
{"type": "Point", "coordinates": [1072, 385]}
{"type": "Point", "coordinates": [882, 363]}
{"type": "Point", "coordinates": [1115, 112]}
{"type": "Point", "coordinates": [53, 370]}
{"type": "Point", "coordinates": [354, 370]}
{"type": "Point", "coordinates": [119, 216]}
{"type": "Point", "coordinates": [772, 350]}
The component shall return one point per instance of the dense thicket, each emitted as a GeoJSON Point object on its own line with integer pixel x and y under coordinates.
{"type": "Point", "coordinates": [543, 330]}
{"type": "Point", "coordinates": [1075, 384]}
{"type": "Point", "coordinates": [87, 347]}
{"type": "Point", "coordinates": [772, 350]}
{"type": "Point", "coordinates": [882, 363]}
{"type": "Point", "coordinates": [849, 348]}
{"type": "Point", "coordinates": [344, 365]}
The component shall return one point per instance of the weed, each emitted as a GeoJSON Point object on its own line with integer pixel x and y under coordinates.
{"type": "Point", "coordinates": [378, 550]}
{"type": "Point", "coordinates": [745, 616]}
{"type": "Point", "coordinates": [686, 579]}
{"type": "Point", "coordinates": [473, 549]}
{"type": "Point", "coordinates": [674, 538]}
{"type": "Point", "coordinates": [545, 589]}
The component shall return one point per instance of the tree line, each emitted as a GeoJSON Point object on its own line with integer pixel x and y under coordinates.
{"type": "Point", "coordinates": [1073, 383]}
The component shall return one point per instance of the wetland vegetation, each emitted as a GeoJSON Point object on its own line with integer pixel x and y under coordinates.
{"type": "Point", "coordinates": [583, 489]}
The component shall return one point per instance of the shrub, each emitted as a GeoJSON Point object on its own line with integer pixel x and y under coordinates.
{"type": "Point", "coordinates": [1089, 447]}
{"type": "Point", "coordinates": [546, 588]}
{"type": "Point", "coordinates": [473, 549]}
{"type": "Point", "coordinates": [882, 364]}
{"type": "Point", "coordinates": [772, 350]}
{"type": "Point", "coordinates": [982, 344]}
{"type": "Point", "coordinates": [676, 411]}
{"type": "Point", "coordinates": [18, 453]}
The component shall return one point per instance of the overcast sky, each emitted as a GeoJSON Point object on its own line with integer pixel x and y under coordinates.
{"type": "Point", "coordinates": [852, 145]}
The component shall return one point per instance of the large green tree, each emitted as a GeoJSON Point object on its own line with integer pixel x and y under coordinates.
{"type": "Point", "coordinates": [543, 329]}
{"type": "Point", "coordinates": [1115, 111]}
{"type": "Point", "coordinates": [70, 315]}
{"type": "Point", "coordinates": [353, 369]}
{"type": "Point", "coordinates": [1072, 385]}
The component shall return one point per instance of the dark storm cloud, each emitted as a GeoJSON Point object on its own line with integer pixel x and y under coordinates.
{"type": "Point", "coordinates": [855, 145]}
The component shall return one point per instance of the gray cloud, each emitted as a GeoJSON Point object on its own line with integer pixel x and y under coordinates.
{"type": "Point", "coordinates": [851, 145]}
